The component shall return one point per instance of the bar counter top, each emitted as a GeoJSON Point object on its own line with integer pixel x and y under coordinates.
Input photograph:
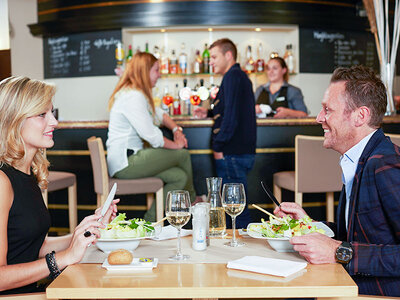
{"type": "Point", "coordinates": [208, 122]}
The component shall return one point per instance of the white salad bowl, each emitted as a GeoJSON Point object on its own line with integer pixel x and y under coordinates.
{"type": "Point", "coordinates": [108, 245]}
{"type": "Point", "coordinates": [282, 244]}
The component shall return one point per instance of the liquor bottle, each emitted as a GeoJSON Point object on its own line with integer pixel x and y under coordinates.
{"type": "Point", "coordinates": [119, 54]}
{"type": "Point", "coordinates": [249, 67]}
{"type": "Point", "coordinates": [147, 47]}
{"type": "Point", "coordinates": [289, 58]}
{"type": "Point", "coordinates": [129, 56]}
{"type": "Point", "coordinates": [260, 64]}
{"type": "Point", "coordinates": [173, 63]}
{"type": "Point", "coordinates": [198, 63]}
{"type": "Point", "coordinates": [164, 62]}
{"type": "Point", "coordinates": [206, 59]}
{"type": "Point", "coordinates": [156, 52]}
{"type": "Point", "coordinates": [176, 104]}
{"type": "Point", "coordinates": [184, 95]}
{"type": "Point", "coordinates": [183, 65]}
{"type": "Point", "coordinates": [167, 101]}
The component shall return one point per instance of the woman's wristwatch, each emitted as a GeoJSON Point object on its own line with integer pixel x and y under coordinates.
{"type": "Point", "coordinates": [176, 128]}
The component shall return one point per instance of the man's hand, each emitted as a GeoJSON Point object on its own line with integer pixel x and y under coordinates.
{"type": "Point", "coordinates": [218, 155]}
{"type": "Point", "coordinates": [179, 136]}
{"type": "Point", "coordinates": [290, 208]}
{"type": "Point", "coordinates": [316, 248]}
{"type": "Point", "coordinates": [200, 112]}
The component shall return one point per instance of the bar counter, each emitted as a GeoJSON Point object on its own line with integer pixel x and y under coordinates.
{"type": "Point", "coordinates": [274, 153]}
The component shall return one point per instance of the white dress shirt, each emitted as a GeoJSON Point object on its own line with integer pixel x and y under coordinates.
{"type": "Point", "coordinates": [349, 163]}
{"type": "Point", "coordinates": [131, 122]}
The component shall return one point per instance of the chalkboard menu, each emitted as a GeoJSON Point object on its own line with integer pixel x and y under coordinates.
{"type": "Point", "coordinates": [82, 54]}
{"type": "Point", "coordinates": [321, 51]}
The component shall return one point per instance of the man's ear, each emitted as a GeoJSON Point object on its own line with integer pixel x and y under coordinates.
{"type": "Point", "coordinates": [228, 55]}
{"type": "Point", "coordinates": [363, 116]}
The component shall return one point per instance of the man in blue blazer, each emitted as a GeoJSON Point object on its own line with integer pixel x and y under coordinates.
{"type": "Point", "coordinates": [368, 217]}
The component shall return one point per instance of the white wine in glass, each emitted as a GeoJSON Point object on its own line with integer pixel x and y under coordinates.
{"type": "Point", "coordinates": [233, 202]}
{"type": "Point", "coordinates": [177, 210]}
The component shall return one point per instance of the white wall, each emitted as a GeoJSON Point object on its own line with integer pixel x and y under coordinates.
{"type": "Point", "coordinates": [4, 29]}
{"type": "Point", "coordinates": [85, 98]}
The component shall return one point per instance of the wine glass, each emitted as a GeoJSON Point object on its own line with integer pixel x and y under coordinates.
{"type": "Point", "coordinates": [177, 209]}
{"type": "Point", "coordinates": [233, 202]}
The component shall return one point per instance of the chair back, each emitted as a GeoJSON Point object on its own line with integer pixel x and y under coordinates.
{"type": "Point", "coordinates": [317, 168]}
{"type": "Point", "coordinates": [395, 138]}
{"type": "Point", "coordinates": [99, 166]}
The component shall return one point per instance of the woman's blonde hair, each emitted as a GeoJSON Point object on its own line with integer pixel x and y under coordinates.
{"type": "Point", "coordinates": [136, 76]}
{"type": "Point", "coordinates": [21, 98]}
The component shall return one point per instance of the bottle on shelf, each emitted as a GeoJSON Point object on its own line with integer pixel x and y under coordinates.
{"type": "Point", "coordinates": [147, 47]}
{"type": "Point", "coordinates": [184, 95]}
{"type": "Point", "coordinates": [173, 63]}
{"type": "Point", "coordinates": [260, 64]}
{"type": "Point", "coordinates": [183, 61]}
{"type": "Point", "coordinates": [138, 49]}
{"type": "Point", "coordinates": [206, 59]}
{"type": "Point", "coordinates": [289, 58]}
{"type": "Point", "coordinates": [249, 66]}
{"type": "Point", "coordinates": [164, 62]}
{"type": "Point", "coordinates": [176, 104]}
{"type": "Point", "coordinates": [198, 63]}
{"type": "Point", "coordinates": [119, 54]}
{"type": "Point", "coordinates": [156, 52]}
{"type": "Point", "coordinates": [167, 101]}
{"type": "Point", "coordinates": [129, 56]}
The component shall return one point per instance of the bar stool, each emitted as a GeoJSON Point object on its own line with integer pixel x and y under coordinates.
{"type": "Point", "coordinates": [61, 180]}
{"type": "Point", "coordinates": [317, 170]}
{"type": "Point", "coordinates": [103, 183]}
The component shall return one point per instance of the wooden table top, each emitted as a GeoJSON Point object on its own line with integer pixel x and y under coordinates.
{"type": "Point", "coordinates": [85, 281]}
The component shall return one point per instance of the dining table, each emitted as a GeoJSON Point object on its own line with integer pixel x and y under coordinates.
{"type": "Point", "coordinates": [204, 276]}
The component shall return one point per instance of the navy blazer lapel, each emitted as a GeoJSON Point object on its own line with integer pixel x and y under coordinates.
{"type": "Point", "coordinates": [340, 216]}
{"type": "Point", "coordinates": [371, 145]}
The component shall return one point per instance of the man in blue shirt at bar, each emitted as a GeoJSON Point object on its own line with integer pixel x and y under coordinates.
{"type": "Point", "coordinates": [234, 131]}
{"type": "Point", "coordinates": [367, 231]}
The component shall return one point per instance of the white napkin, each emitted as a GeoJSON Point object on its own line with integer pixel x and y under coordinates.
{"type": "Point", "coordinates": [170, 232]}
{"type": "Point", "coordinates": [270, 266]}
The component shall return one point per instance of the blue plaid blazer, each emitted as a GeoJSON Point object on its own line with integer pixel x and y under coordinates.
{"type": "Point", "coordinates": [374, 219]}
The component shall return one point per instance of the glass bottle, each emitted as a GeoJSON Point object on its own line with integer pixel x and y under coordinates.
{"type": "Point", "coordinates": [206, 59]}
{"type": "Point", "coordinates": [164, 62]}
{"type": "Point", "coordinates": [146, 47]}
{"type": "Point", "coordinates": [129, 56]}
{"type": "Point", "coordinates": [289, 58]}
{"type": "Point", "coordinates": [217, 213]}
{"type": "Point", "coordinates": [260, 64]}
{"type": "Point", "coordinates": [156, 52]}
{"type": "Point", "coordinates": [184, 95]}
{"type": "Point", "coordinates": [173, 63]}
{"type": "Point", "coordinates": [183, 65]}
{"type": "Point", "coordinates": [176, 104]}
{"type": "Point", "coordinates": [249, 67]}
{"type": "Point", "coordinates": [198, 63]}
{"type": "Point", "coordinates": [119, 54]}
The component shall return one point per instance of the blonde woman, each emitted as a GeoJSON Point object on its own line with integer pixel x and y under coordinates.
{"type": "Point", "coordinates": [136, 147]}
{"type": "Point", "coordinates": [27, 254]}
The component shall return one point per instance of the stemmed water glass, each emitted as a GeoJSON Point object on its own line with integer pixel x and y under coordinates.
{"type": "Point", "coordinates": [233, 202]}
{"type": "Point", "coordinates": [177, 209]}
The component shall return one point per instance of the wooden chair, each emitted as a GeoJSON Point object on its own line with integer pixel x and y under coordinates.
{"type": "Point", "coordinates": [395, 138]}
{"type": "Point", "coordinates": [103, 183]}
{"type": "Point", "coordinates": [61, 180]}
{"type": "Point", "coordinates": [317, 170]}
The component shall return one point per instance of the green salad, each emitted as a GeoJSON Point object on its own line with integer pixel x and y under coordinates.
{"type": "Point", "coordinates": [120, 228]}
{"type": "Point", "coordinates": [285, 227]}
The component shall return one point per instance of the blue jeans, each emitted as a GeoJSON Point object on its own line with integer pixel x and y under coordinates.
{"type": "Point", "coordinates": [234, 169]}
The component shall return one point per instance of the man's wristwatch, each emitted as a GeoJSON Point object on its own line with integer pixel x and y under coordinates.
{"type": "Point", "coordinates": [344, 253]}
{"type": "Point", "coordinates": [176, 128]}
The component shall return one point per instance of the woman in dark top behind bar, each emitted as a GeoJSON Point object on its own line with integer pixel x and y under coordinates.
{"type": "Point", "coordinates": [278, 98]}
{"type": "Point", "coordinates": [26, 253]}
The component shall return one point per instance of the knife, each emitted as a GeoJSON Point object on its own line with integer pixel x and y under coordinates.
{"type": "Point", "coordinates": [110, 198]}
{"type": "Point", "coordinates": [270, 195]}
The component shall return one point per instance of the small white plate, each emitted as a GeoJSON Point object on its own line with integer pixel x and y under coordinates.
{"type": "Point", "coordinates": [134, 265]}
{"type": "Point", "coordinates": [282, 244]}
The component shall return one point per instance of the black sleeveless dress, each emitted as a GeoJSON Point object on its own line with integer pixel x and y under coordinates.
{"type": "Point", "coordinates": [28, 222]}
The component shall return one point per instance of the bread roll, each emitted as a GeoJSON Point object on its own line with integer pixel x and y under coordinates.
{"type": "Point", "coordinates": [120, 257]}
